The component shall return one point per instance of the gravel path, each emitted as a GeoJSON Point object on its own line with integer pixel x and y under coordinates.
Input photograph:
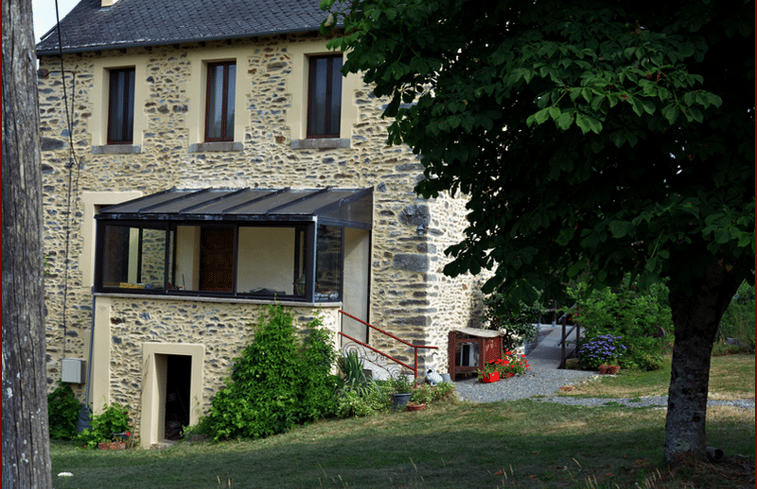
{"type": "Point", "coordinates": [547, 382]}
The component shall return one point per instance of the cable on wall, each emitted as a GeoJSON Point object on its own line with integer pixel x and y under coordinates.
{"type": "Point", "coordinates": [72, 162]}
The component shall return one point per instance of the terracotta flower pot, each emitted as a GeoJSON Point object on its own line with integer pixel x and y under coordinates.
{"type": "Point", "coordinates": [414, 406]}
{"type": "Point", "coordinates": [112, 445]}
{"type": "Point", "coordinates": [609, 369]}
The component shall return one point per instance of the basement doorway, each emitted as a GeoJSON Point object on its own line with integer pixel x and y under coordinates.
{"type": "Point", "coordinates": [177, 398]}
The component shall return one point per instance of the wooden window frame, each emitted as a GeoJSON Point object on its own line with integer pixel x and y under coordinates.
{"type": "Point", "coordinates": [329, 94]}
{"type": "Point", "coordinates": [121, 105]}
{"type": "Point", "coordinates": [227, 134]}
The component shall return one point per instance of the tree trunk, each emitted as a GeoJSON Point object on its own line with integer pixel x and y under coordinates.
{"type": "Point", "coordinates": [696, 318]}
{"type": "Point", "coordinates": [26, 443]}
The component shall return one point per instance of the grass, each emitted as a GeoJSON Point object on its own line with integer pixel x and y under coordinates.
{"type": "Point", "coordinates": [451, 444]}
{"type": "Point", "coordinates": [731, 377]}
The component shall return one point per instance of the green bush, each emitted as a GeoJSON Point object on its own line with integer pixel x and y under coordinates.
{"type": "Point", "coordinates": [401, 384]}
{"type": "Point", "coordinates": [276, 382]}
{"type": "Point", "coordinates": [62, 412]}
{"type": "Point", "coordinates": [738, 321]}
{"type": "Point", "coordinates": [641, 319]}
{"type": "Point", "coordinates": [354, 403]}
{"type": "Point", "coordinates": [516, 322]}
{"type": "Point", "coordinates": [102, 427]}
{"type": "Point", "coordinates": [423, 394]}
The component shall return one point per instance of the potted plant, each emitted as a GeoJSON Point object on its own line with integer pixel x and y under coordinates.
{"type": "Point", "coordinates": [490, 373]}
{"type": "Point", "coordinates": [421, 395]}
{"type": "Point", "coordinates": [118, 442]}
{"type": "Point", "coordinates": [511, 364]}
{"type": "Point", "coordinates": [401, 391]}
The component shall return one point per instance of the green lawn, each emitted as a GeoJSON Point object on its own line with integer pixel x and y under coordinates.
{"type": "Point", "coordinates": [731, 377]}
{"type": "Point", "coordinates": [514, 444]}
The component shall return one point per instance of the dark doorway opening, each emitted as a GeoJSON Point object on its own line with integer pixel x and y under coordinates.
{"type": "Point", "coordinates": [178, 384]}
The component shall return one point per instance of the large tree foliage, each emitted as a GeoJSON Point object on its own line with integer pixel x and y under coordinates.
{"type": "Point", "coordinates": [592, 137]}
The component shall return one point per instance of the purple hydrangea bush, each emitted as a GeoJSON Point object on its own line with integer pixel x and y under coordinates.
{"type": "Point", "coordinates": [601, 350]}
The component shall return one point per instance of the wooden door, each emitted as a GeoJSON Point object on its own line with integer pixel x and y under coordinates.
{"type": "Point", "coordinates": [217, 259]}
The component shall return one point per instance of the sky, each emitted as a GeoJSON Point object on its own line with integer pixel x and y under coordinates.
{"type": "Point", "coordinates": [43, 12]}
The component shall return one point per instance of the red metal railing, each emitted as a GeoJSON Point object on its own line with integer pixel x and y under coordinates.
{"type": "Point", "coordinates": [414, 368]}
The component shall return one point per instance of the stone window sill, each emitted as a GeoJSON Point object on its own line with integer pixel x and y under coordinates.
{"type": "Point", "coordinates": [117, 149]}
{"type": "Point", "coordinates": [217, 147]}
{"type": "Point", "coordinates": [320, 143]}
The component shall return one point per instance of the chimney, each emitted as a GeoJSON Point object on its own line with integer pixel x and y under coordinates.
{"type": "Point", "coordinates": [107, 3]}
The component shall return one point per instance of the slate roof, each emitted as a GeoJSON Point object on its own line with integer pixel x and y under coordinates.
{"type": "Point", "coordinates": [350, 207]}
{"type": "Point", "coordinates": [130, 23]}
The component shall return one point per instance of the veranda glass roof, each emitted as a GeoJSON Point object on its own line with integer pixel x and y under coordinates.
{"type": "Point", "coordinates": [341, 207]}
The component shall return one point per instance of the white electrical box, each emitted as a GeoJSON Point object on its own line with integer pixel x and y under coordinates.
{"type": "Point", "coordinates": [73, 371]}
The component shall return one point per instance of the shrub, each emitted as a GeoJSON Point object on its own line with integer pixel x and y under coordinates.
{"type": "Point", "coordinates": [602, 350]}
{"type": "Point", "coordinates": [114, 419]}
{"type": "Point", "coordinates": [738, 320]}
{"type": "Point", "coordinates": [443, 391]}
{"type": "Point", "coordinates": [276, 382]}
{"type": "Point", "coordinates": [401, 384]}
{"type": "Point", "coordinates": [62, 412]}
{"type": "Point", "coordinates": [516, 322]}
{"type": "Point", "coordinates": [639, 318]}
{"type": "Point", "coordinates": [374, 401]}
{"type": "Point", "coordinates": [423, 394]}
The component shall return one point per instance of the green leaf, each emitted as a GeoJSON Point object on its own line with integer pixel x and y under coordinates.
{"type": "Point", "coordinates": [620, 229]}
{"type": "Point", "coordinates": [722, 235]}
{"type": "Point", "coordinates": [714, 99]}
{"type": "Point", "coordinates": [542, 116]}
{"type": "Point", "coordinates": [637, 107]}
{"type": "Point", "coordinates": [596, 102]}
{"type": "Point", "coordinates": [564, 121]}
{"type": "Point", "coordinates": [670, 112]}
{"type": "Point", "coordinates": [565, 235]}
{"type": "Point", "coordinates": [648, 105]}
{"type": "Point", "coordinates": [619, 137]}
{"type": "Point", "coordinates": [587, 123]}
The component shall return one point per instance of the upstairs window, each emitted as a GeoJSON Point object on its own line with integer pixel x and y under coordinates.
{"type": "Point", "coordinates": [324, 96]}
{"type": "Point", "coordinates": [121, 106]}
{"type": "Point", "coordinates": [220, 100]}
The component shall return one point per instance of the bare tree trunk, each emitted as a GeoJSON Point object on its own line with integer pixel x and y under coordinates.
{"type": "Point", "coordinates": [26, 443]}
{"type": "Point", "coordinates": [696, 318]}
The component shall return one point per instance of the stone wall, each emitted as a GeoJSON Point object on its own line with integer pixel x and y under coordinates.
{"type": "Point", "coordinates": [223, 327]}
{"type": "Point", "coordinates": [410, 296]}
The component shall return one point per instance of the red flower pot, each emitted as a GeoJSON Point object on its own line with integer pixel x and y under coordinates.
{"type": "Point", "coordinates": [492, 377]}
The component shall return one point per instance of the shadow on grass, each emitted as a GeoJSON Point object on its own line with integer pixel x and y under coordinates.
{"type": "Point", "coordinates": [522, 443]}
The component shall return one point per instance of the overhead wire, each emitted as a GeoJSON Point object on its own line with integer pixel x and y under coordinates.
{"type": "Point", "coordinates": [72, 166]}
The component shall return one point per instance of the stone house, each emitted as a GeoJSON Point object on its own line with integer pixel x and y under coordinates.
{"type": "Point", "coordinates": [202, 160]}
